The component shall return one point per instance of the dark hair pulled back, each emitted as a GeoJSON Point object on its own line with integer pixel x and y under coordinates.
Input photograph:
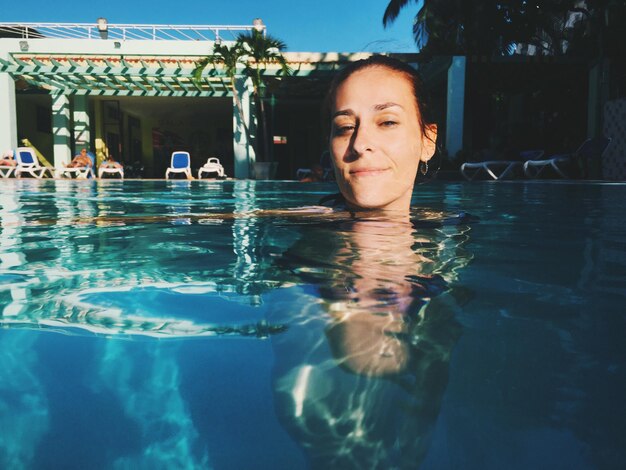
{"type": "Point", "coordinates": [408, 72]}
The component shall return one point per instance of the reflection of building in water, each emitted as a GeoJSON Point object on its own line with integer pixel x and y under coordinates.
{"type": "Point", "coordinates": [28, 420]}
{"type": "Point", "coordinates": [13, 294]}
{"type": "Point", "coordinates": [604, 255]}
{"type": "Point", "coordinates": [94, 256]}
{"type": "Point", "coordinates": [360, 375]}
{"type": "Point", "coordinates": [246, 233]}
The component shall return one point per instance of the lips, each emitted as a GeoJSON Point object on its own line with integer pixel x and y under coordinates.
{"type": "Point", "coordinates": [367, 171]}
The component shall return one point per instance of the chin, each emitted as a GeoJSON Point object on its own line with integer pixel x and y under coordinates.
{"type": "Point", "coordinates": [371, 202]}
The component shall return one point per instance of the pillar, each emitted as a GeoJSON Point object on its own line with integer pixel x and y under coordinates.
{"type": "Point", "coordinates": [82, 130]}
{"type": "Point", "coordinates": [101, 150]}
{"type": "Point", "coordinates": [598, 95]}
{"type": "Point", "coordinates": [8, 116]}
{"type": "Point", "coordinates": [456, 106]}
{"type": "Point", "coordinates": [242, 147]}
{"type": "Point", "coordinates": [61, 129]}
{"type": "Point", "coordinates": [147, 146]}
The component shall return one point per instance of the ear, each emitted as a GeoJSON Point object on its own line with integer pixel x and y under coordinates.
{"type": "Point", "coordinates": [429, 142]}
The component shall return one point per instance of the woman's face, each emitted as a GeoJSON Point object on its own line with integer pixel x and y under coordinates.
{"type": "Point", "coordinates": [376, 139]}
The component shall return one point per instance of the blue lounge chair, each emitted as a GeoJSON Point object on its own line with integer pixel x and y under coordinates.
{"type": "Point", "coordinates": [590, 149]}
{"type": "Point", "coordinates": [27, 162]}
{"type": "Point", "coordinates": [82, 172]}
{"type": "Point", "coordinates": [498, 169]}
{"type": "Point", "coordinates": [180, 163]}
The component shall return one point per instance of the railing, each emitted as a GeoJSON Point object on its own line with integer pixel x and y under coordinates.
{"type": "Point", "coordinates": [103, 30]}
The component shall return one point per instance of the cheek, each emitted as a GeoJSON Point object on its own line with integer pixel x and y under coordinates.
{"type": "Point", "coordinates": [337, 151]}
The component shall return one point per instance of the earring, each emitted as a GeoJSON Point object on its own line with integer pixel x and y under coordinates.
{"type": "Point", "coordinates": [423, 167]}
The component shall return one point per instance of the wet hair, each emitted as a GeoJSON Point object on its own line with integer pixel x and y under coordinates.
{"type": "Point", "coordinates": [396, 65]}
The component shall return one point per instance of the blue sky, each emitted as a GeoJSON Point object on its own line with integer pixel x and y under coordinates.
{"type": "Point", "coordinates": [323, 25]}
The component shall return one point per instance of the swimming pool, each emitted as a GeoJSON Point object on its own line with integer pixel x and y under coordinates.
{"type": "Point", "coordinates": [145, 326]}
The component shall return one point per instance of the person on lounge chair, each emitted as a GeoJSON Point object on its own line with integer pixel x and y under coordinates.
{"type": "Point", "coordinates": [111, 163]}
{"type": "Point", "coordinates": [7, 159]}
{"type": "Point", "coordinates": [80, 161]}
{"type": "Point", "coordinates": [317, 174]}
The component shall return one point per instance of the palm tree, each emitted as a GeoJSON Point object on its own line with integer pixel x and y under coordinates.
{"type": "Point", "coordinates": [262, 49]}
{"type": "Point", "coordinates": [229, 57]}
{"type": "Point", "coordinates": [488, 27]}
{"type": "Point", "coordinates": [457, 27]}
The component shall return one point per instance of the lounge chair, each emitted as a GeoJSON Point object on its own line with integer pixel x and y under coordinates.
{"type": "Point", "coordinates": [81, 172]}
{"type": "Point", "coordinates": [499, 169]}
{"type": "Point", "coordinates": [27, 162]}
{"type": "Point", "coordinates": [6, 171]}
{"type": "Point", "coordinates": [212, 165]}
{"type": "Point", "coordinates": [590, 149]}
{"type": "Point", "coordinates": [110, 170]}
{"type": "Point", "coordinates": [180, 163]}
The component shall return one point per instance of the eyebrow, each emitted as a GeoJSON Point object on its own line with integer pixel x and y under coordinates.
{"type": "Point", "coordinates": [343, 112]}
{"type": "Point", "coordinates": [389, 104]}
{"type": "Point", "coordinates": [377, 107]}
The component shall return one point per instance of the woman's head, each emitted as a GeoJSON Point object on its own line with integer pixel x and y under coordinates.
{"type": "Point", "coordinates": [379, 133]}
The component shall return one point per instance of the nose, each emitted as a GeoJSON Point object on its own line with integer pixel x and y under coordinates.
{"type": "Point", "coordinates": [361, 140]}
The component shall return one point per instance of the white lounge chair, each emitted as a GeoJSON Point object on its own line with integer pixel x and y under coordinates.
{"type": "Point", "coordinates": [27, 162]}
{"type": "Point", "coordinates": [180, 163]}
{"type": "Point", "coordinates": [81, 172]}
{"type": "Point", "coordinates": [498, 169]}
{"type": "Point", "coordinates": [212, 165]}
{"type": "Point", "coordinates": [590, 148]}
{"type": "Point", "coordinates": [6, 171]}
{"type": "Point", "coordinates": [110, 170]}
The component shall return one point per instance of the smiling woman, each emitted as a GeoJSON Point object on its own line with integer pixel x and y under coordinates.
{"type": "Point", "coordinates": [379, 137]}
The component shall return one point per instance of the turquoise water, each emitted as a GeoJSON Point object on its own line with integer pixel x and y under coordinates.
{"type": "Point", "coordinates": [152, 324]}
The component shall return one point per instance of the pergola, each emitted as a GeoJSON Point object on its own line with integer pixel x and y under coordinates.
{"type": "Point", "coordinates": [101, 75]}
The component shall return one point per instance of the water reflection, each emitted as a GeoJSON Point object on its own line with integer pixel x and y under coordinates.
{"type": "Point", "coordinates": [362, 325]}
{"type": "Point", "coordinates": [359, 379]}
{"type": "Point", "coordinates": [81, 256]}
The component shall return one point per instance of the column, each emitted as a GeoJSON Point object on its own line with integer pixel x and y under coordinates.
{"type": "Point", "coordinates": [101, 149]}
{"type": "Point", "coordinates": [82, 130]}
{"type": "Point", "coordinates": [61, 128]}
{"type": "Point", "coordinates": [243, 150]}
{"type": "Point", "coordinates": [598, 95]}
{"type": "Point", "coordinates": [147, 146]}
{"type": "Point", "coordinates": [456, 106]}
{"type": "Point", "coordinates": [8, 116]}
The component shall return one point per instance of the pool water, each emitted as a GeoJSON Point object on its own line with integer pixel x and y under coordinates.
{"type": "Point", "coordinates": [153, 324]}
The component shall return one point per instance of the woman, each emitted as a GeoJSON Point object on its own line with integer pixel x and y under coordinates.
{"type": "Point", "coordinates": [380, 137]}
{"type": "Point", "coordinates": [362, 364]}
{"type": "Point", "coordinates": [362, 368]}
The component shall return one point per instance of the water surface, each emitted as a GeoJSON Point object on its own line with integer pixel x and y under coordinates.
{"type": "Point", "coordinates": [170, 325]}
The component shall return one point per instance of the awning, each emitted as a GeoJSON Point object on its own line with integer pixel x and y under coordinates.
{"type": "Point", "coordinates": [116, 75]}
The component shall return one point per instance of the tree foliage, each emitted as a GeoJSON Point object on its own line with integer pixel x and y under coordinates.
{"type": "Point", "coordinates": [261, 50]}
{"type": "Point", "coordinates": [248, 56]}
{"type": "Point", "coordinates": [486, 27]}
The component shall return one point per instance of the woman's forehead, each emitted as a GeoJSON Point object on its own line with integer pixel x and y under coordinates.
{"type": "Point", "coordinates": [375, 85]}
